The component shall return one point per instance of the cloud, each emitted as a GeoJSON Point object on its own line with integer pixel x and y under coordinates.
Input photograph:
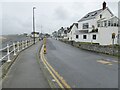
{"type": "Point", "coordinates": [62, 14]}
{"type": "Point", "coordinates": [17, 17]}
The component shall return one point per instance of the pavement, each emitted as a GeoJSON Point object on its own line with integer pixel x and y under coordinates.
{"type": "Point", "coordinates": [26, 71]}
{"type": "Point", "coordinates": [81, 68]}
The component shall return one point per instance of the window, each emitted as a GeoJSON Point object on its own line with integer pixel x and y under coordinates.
{"type": "Point", "coordinates": [101, 24]}
{"type": "Point", "coordinates": [100, 15]}
{"type": "Point", "coordinates": [105, 23]}
{"type": "Point", "coordinates": [86, 16]}
{"type": "Point", "coordinates": [94, 13]}
{"type": "Point", "coordinates": [108, 23]}
{"type": "Point", "coordinates": [94, 37]}
{"type": "Point", "coordinates": [115, 24]}
{"type": "Point", "coordinates": [85, 26]}
{"type": "Point", "coordinates": [77, 36]}
{"type": "Point", "coordinates": [111, 23]}
{"type": "Point", "coordinates": [84, 36]}
{"type": "Point", "coordinates": [98, 24]}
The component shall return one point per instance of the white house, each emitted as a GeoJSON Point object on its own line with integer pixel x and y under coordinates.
{"type": "Point", "coordinates": [98, 27]}
{"type": "Point", "coordinates": [71, 32]}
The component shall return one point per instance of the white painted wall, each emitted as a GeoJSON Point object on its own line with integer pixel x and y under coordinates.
{"type": "Point", "coordinates": [105, 35]}
{"type": "Point", "coordinates": [71, 35]}
{"type": "Point", "coordinates": [89, 38]}
{"type": "Point", "coordinates": [105, 15]}
{"type": "Point", "coordinates": [90, 22]}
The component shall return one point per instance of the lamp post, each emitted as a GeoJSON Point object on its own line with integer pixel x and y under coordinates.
{"type": "Point", "coordinates": [34, 25]}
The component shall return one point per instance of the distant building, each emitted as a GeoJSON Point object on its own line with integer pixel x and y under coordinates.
{"type": "Point", "coordinates": [71, 32]}
{"type": "Point", "coordinates": [98, 27]}
{"type": "Point", "coordinates": [36, 34]}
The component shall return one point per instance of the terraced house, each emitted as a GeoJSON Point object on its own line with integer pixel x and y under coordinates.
{"type": "Point", "coordinates": [98, 27]}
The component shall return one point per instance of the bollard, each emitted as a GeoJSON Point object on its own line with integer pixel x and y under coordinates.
{"type": "Point", "coordinates": [44, 45]}
{"type": "Point", "coordinates": [22, 44]}
{"type": "Point", "coordinates": [18, 46]}
{"type": "Point", "coordinates": [14, 49]}
{"type": "Point", "coordinates": [44, 49]}
{"type": "Point", "coordinates": [8, 53]}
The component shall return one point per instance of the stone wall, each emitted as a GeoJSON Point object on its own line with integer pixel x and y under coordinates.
{"type": "Point", "coordinates": [95, 47]}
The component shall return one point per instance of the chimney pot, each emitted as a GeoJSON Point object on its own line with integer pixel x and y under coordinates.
{"type": "Point", "coordinates": [104, 5]}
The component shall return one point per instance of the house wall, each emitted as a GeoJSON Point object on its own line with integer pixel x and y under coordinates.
{"type": "Point", "coordinates": [105, 35]}
{"type": "Point", "coordinates": [71, 34]}
{"type": "Point", "coordinates": [105, 15]}
{"type": "Point", "coordinates": [89, 38]}
{"type": "Point", "coordinates": [91, 22]}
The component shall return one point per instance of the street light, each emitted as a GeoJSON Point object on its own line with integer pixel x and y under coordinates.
{"type": "Point", "coordinates": [34, 25]}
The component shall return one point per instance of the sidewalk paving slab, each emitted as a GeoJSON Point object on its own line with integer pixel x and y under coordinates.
{"type": "Point", "coordinates": [26, 72]}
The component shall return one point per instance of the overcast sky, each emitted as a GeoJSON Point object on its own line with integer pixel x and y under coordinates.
{"type": "Point", "coordinates": [16, 17]}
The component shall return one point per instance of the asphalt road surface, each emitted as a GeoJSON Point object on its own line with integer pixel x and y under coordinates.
{"type": "Point", "coordinates": [26, 72]}
{"type": "Point", "coordinates": [81, 68]}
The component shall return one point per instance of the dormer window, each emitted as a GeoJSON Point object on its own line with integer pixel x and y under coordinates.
{"type": "Point", "coordinates": [94, 13]}
{"type": "Point", "coordinates": [100, 15]}
{"type": "Point", "coordinates": [86, 16]}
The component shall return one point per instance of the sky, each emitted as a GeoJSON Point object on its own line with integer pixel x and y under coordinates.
{"type": "Point", "coordinates": [50, 15]}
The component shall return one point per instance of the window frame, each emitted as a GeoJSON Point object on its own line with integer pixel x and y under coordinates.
{"type": "Point", "coordinates": [77, 36]}
{"type": "Point", "coordinates": [84, 36]}
{"type": "Point", "coordinates": [85, 25]}
{"type": "Point", "coordinates": [93, 36]}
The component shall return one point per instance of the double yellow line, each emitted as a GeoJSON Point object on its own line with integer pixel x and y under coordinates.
{"type": "Point", "coordinates": [60, 81]}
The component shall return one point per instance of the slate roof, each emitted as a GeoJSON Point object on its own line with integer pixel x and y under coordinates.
{"type": "Point", "coordinates": [91, 15]}
{"type": "Point", "coordinates": [76, 24]}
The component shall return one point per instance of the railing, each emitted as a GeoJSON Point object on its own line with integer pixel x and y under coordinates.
{"type": "Point", "coordinates": [13, 49]}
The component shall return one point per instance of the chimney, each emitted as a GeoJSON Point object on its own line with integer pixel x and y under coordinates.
{"type": "Point", "coordinates": [104, 5]}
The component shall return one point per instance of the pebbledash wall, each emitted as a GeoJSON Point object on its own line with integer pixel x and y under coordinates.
{"type": "Point", "coordinates": [96, 48]}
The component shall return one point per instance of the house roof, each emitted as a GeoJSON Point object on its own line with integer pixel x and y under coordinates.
{"type": "Point", "coordinates": [92, 15]}
{"type": "Point", "coordinates": [76, 24]}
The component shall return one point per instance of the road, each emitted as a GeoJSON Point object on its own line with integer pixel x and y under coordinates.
{"type": "Point", "coordinates": [26, 71]}
{"type": "Point", "coordinates": [80, 68]}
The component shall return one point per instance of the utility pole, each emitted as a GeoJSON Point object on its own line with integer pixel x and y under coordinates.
{"type": "Point", "coordinates": [34, 25]}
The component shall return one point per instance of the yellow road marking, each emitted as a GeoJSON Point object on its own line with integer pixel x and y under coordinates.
{"type": "Point", "coordinates": [61, 86]}
{"type": "Point", "coordinates": [104, 62]}
{"type": "Point", "coordinates": [52, 72]}
{"type": "Point", "coordinates": [56, 73]}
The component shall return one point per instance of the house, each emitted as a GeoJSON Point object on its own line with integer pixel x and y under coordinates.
{"type": "Point", "coordinates": [71, 32]}
{"type": "Point", "coordinates": [55, 34]}
{"type": "Point", "coordinates": [98, 27]}
{"type": "Point", "coordinates": [62, 33]}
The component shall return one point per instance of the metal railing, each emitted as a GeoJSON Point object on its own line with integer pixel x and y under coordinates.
{"type": "Point", "coordinates": [13, 49]}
